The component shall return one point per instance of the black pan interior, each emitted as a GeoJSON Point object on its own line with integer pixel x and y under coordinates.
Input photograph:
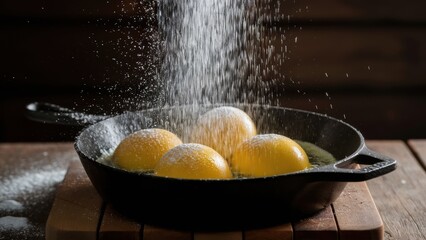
{"type": "Point", "coordinates": [333, 135]}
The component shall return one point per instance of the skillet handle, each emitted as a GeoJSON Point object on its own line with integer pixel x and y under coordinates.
{"type": "Point", "coordinates": [376, 165]}
{"type": "Point", "coordinates": [51, 113]}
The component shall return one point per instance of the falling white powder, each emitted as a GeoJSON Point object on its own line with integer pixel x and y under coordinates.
{"type": "Point", "coordinates": [203, 40]}
{"type": "Point", "coordinates": [208, 48]}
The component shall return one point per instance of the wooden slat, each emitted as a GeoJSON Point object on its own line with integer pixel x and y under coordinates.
{"type": "Point", "coordinates": [321, 226]}
{"type": "Point", "coordinates": [76, 210]}
{"type": "Point", "coordinates": [155, 233]}
{"type": "Point", "coordinates": [396, 57]}
{"type": "Point", "coordinates": [301, 9]}
{"type": "Point", "coordinates": [353, 10]}
{"type": "Point", "coordinates": [50, 9]}
{"type": "Point", "coordinates": [77, 188]}
{"type": "Point", "coordinates": [234, 235]}
{"type": "Point", "coordinates": [400, 195]}
{"type": "Point", "coordinates": [65, 222]}
{"type": "Point", "coordinates": [114, 226]}
{"type": "Point", "coordinates": [356, 214]}
{"type": "Point", "coordinates": [375, 115]}
{"type": "Point", "coordinates": [280, 232]}
{"type": "Point", "coordinates": [369, 57]}
{"type": "Point", "coordinates": [79, 55]}
{"type": "Point", "coordinates": [419, 147]}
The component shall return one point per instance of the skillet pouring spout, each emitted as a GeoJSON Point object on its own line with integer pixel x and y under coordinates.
{"type": "Point", "coordinates": [238, 202]}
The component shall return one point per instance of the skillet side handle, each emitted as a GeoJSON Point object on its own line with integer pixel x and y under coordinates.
{"type": "Point", "coordinates": [51, 113]}
{"type": "Point", "coordinates": [376, 165]}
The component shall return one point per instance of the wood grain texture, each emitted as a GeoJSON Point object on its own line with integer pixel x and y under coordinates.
{"type": "Point", "coordinates": [29, 174]}
{"type": "Point", "coordinates": [342, 10]}
{"type": "Point", "coordinates": [68, 221]}
{"type": "Point", "coordinates": [301, 9]}
{"type": "Point", "coordinates": [76, 211]}
{"type": "Point", "coordinates": [400, 195]}
{"type": "Point", "coordinates": [114, 226]}
{"type": "Point", "coordinates": [280, 232]}
{"type": "Point", "coordinates": [342, 56]}
{"type": "Point", "coordinates": [155, 233]}
{"type": "Point", "coordinates": [105, 57]}
{"type": "Point", "coordinates": [75, 10]}
{"type": "Point", "coordinates": [356, 214]}
{"type": "Point", "coordinates": [321, 226]}
{"type": "Point", "coordinates": [21, 152]}
{"type": "Point", "coordinates": [234, 235]}
{"type": "Point", "coordinates": [78, 54]}
{"type": "Point", "coordinates": [419, 148]}
{"type": "Point", "coordinates": [77, 188]}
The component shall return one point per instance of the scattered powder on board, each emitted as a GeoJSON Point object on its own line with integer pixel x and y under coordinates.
{"type": "Point", "coordinates": [10, 205]}
{"type": "Point", "coordinates": [11, 223]}
{"type": "Point", "coordinates": [27, 191]}
{"type": "Point", "coordinates": [30, 182]}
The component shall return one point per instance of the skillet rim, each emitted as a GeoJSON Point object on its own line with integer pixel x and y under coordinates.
{"type": "Point", "coordinates": [308, 171]}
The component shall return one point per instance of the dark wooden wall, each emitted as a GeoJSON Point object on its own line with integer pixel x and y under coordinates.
{"type": "Point", "coordinates": [360, 61]}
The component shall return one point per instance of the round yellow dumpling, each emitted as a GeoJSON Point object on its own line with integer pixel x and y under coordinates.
{"type": "Point", "coordinates": [268, 155]}
{"type": "Point", "coordinates": [193, 161]}
{"type": "Point", "coordinates": [141, 150]}
{"type": "Point", "coordinates": [223, 129]}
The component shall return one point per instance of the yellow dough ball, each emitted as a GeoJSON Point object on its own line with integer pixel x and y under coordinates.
{"type": "Point", "coordinates": [193, 161]}
{"type": "Point", "coordinates": [141, 150]}
{"type": "Point", "coordinates": [223, 129]}
{"type": "Point", "coordinates": [267, 155]}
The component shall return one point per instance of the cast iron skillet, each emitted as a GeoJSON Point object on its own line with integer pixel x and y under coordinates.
{"type": "Point", "coordinates": [220, 204]}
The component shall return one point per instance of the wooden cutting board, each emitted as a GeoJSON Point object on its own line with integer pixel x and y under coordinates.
{"type": "Point", "coordinates": [78, 212]}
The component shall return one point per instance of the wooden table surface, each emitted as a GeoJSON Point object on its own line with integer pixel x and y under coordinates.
{"type": "Point", "coordinates": [31, 172]}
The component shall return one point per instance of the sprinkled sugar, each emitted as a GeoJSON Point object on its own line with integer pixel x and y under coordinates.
{"type": "Point", "coordinates": [27, 190]}
{"type": "Point", "coordinates": [10, 205]}
{"type": "Point", "coordinates": [14, 223]}
{"type": "Point", "coordinates": [29, 182]}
